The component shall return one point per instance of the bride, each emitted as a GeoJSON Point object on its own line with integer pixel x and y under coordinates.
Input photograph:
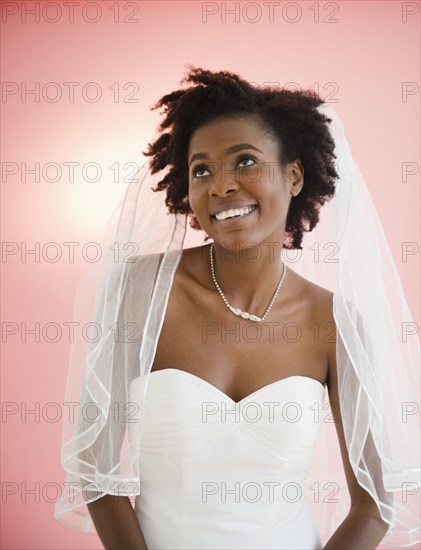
{"type": "Point", "coordinates": [236, 335]}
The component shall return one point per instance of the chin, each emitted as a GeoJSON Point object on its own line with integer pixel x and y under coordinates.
{"type": "Point", "coordinates": [233, 244]}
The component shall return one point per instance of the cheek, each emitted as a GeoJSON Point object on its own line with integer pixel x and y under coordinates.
{"type": "Point", "coordinates": [191, 195]}
{"type": "Point", "coordinates": [195, 203]}
{"type": "Point", "coordinates": [278, 203]}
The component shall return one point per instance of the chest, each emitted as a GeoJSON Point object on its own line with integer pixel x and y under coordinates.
{"type": "Point", "coordinates": [202, 337]}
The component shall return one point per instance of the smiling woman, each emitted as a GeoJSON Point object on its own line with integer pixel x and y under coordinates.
{"type": "Point", "coordinates": [281, 130]}
{"type": "Point", "coordinates": [224, 407]}
{"type": "Point", "coordinates": [237, 180]}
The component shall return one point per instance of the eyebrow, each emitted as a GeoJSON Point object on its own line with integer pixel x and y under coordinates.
{"type": "Point", "coordinates": [229, 150]}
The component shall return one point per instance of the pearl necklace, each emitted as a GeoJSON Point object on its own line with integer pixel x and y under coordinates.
{"type": "Point", "coordinates": [235, 310]}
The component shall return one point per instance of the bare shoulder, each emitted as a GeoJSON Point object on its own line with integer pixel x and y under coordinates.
{"type": "Point", "coordinates": [319, 299]}
{"type": "Point", "coordinates": [318, 302]}
{"type": "Point", "coordinates": [191, 259]}
{"type": "Point", "coordinates": [194, 266]}
{"type": "Point", "coordinates": [323, 304]}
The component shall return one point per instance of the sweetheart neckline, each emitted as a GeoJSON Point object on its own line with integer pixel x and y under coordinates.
{"type": "Point", "coordinates": [247, 397]}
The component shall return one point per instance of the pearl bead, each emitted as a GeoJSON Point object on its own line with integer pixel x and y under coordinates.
{"type": "Point", "coordinates": [237, 311]}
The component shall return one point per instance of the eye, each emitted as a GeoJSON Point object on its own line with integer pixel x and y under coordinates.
{"type": "Point", "coordinates": [244, 158]}
{"type": "Point", "coordinates": [203, 167]}
{"type": "Point", "coordinates": [197, 169]}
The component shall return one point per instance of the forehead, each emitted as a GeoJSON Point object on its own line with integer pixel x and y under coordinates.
{"type": "Point", "coordinates": [226, 131]}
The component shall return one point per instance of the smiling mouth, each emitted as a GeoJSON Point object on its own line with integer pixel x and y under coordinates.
{"type": "Point", "coordinates": [252, 209]}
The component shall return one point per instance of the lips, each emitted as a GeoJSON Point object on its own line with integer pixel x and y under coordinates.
{"type": "Point", "coordinates": [234, 220]}
{"type": "Point", "coordinates": [229, 206]}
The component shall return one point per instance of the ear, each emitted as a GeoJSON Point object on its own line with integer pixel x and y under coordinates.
{"type": "Point", "coordinates": [295, 176]}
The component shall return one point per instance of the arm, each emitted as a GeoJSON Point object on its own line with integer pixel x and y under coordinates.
{"type": "Point", "coordinates": [363, 528]}
{"type": "Point", "coordinates": [116, 523]}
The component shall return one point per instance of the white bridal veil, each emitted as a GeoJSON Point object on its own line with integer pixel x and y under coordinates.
{"type": "Point", "coordinates": [122, 303]}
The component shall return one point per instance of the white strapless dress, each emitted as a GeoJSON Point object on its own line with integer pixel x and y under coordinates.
{"type": "Point", "coordinates": [217, 474]}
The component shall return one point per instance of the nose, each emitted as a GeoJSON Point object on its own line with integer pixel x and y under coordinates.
{"type": "Point", "coordinates": [223, 182]}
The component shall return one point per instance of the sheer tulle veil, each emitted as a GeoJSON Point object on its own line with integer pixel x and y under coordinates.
{"type": "Point", "coordinates": [123, 299]}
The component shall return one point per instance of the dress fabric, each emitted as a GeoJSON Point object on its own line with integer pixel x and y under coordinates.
{"type": "Point", "coordinates": [220, 474]}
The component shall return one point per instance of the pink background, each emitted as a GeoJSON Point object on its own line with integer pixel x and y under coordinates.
{"type": "Point", "coordinates": [368, 54]}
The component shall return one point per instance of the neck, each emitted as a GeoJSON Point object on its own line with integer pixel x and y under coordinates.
{"type": "Point", "coordinates": [248, 277]}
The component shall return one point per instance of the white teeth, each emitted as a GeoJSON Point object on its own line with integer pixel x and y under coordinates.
{"type": "Point", "coordinates": [233, 212]}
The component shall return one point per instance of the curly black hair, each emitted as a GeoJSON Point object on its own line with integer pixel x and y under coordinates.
{"type": "Point", "coordinates": [292, 117]}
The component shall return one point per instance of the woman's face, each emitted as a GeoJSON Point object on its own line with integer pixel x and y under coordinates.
{"type": "Point", "coordinates": [234, 164]}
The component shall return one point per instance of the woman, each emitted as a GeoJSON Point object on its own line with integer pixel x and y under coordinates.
{"type": "Point", "coordinates": [251, 168]}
